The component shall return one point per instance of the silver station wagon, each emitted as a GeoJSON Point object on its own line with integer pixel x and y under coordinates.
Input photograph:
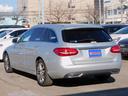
{"type": "Point", "coordinates": [56, 51]}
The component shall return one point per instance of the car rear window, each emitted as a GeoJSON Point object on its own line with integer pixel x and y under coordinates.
{"type": "Point", "coordinates": [85, 35]}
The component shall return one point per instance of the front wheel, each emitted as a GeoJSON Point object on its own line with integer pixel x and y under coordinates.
{"type": "Point", "coordinates": [43, 78]}
{"type": "Point", "coordinates": [7, 65]}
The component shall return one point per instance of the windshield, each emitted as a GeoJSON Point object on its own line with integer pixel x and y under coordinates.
{"type": "Point", "coordinates": [85, 35]}
{"type": "Point", "coordinates": [2, 31]}
{"type": "Point", "coordinates": [2, 34]}
{"type": "Point", "coordinates": [122, 31]}
{"type": "Point", "coordinates": [111, 30]}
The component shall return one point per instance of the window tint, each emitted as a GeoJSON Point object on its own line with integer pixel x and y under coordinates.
{"type": "Point", "coordinates": [44, 35]}
{"type": "Point", "coordinates": [26, 36]}
{"type": "Point", "coordinates": [2, 34]}
{"type": "Point", "coordinates": [2, 31]}
{"type": "Point", "coordinates": [122, 31]}
{"type": "Point", "coordinates": [112, 29]}
{"type": "Point", "coordinates": [20, 32]}
{"type": "Point", "coordinates": [85, 35]}
{"type": "Point", "coordinates": [50, 36]}
{"type": "Point", "coordinates": [13, 34]}
{"type": "Point", "coordinates": [17, 33]}
{"type": "Point", "coordinates": [38, 34]}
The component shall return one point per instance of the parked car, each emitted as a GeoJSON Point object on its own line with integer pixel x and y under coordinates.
{"type": "Point", "coordinates": [11, 26]}
{"type": "Point", "coordinates": [111, 28]}
{"type": "Point", "coordinates": [120, 34]}
{"type": "Point", "coordinates": [6, 40]}
{"type": "Point", "coordinates": [124, 47]}
{"type": "Point", "coordinates": [6, 29]}
{"type": "Point", "coordinates": [11, 32]}
{"type": "Point", "coordinates": [64, 51]}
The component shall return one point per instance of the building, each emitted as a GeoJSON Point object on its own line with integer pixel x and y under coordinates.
{"type": "Point", "coordinates": [60, 11]}
{"type": "Point", "coordinates": [116, 11]}
{"type": "Point", "coordinates": [31, 10]}
{"type": "Point", "coordinates": [74, 11]}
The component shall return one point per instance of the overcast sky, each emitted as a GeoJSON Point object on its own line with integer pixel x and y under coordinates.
{"type": "Point", "coordinates": [7, 5]}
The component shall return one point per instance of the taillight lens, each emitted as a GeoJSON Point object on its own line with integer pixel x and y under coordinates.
{"type": "Point", "coordinates": [116, 49]}
{"type": "Point", "coordinates": [66, 51]}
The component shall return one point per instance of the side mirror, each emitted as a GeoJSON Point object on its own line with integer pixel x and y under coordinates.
{"type": "Point", "coordinates": [15, 40]}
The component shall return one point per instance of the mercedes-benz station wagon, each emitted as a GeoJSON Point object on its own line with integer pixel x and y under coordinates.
{"type": "Point", "coordinates": [57, 51]}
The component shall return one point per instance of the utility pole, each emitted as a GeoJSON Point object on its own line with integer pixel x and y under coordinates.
{"type": "Point", "coordinates": [100, 15]}
{"type": "Point", "coordinates": [43, 13]}
{"type": "Point", "coordinates": [38, 11]}
{"type": "Point", "coordinates": [70, 2]}
{"type": "Point", "coordinates": [104, 12]}
{"type": "Point", "coordinates": [121, 4]}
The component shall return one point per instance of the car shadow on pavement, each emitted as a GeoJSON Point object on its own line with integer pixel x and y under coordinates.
{"type": "Point", "coordinates": [1, 61]}
{"type": "Point", "coordinates": [25, 74]}
{"type": "Point", "coordinates": [110, 92]}
{"type": "Point", "coordinates": [125, 58]}
{"type": "Point", "coordinates": [89, 80]}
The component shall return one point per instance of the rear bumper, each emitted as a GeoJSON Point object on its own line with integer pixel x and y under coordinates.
{"type": "Point", "coordinates": [82, 74]}
{"type": "Point", "coordinates": [81, 70]}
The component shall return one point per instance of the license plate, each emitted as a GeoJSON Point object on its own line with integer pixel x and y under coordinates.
{"type": "Point", "coordinates": [95, 53]}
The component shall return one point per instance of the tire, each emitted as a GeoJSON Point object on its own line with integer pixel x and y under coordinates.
{"type": "Point", "coordinates": [7, 65]}
{"type": "Point", "coordinates": [43, 78]}
{"type": "Point", "coordinates": [103, 76]}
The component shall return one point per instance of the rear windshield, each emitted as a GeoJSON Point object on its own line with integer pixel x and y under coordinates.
{"type": "Point", "coordinates": [85, 35]}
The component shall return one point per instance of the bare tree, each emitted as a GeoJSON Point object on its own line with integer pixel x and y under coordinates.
{"type": "Point", "coordinates": [126, 18]}
{"type": "Point", "coordinates": [122, 9]}
{"type": "Point", "coordinates": [57, 12]}
{"type": "Point", "coordinates": [19, 17]}
{"type": "Point", "coordinates": [91, 14]}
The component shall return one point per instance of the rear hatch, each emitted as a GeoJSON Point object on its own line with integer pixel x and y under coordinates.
{"type": "Point", "coordinates": [93, 45]}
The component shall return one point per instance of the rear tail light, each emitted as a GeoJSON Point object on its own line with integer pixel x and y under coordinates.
{"type": "Point", "coordinates": [66, 51]}
{"type": "Point", "coordinates": [116, 49]}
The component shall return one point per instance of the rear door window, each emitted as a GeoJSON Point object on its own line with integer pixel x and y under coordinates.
{"type": "Point", "coordinates": [43, 35]}
{"type": "Point", "coordinates": [50, 36]}
{"type": "Point", "coordinates": [86, 35]}
{"type": "Point", "coordinates": [38, 35]}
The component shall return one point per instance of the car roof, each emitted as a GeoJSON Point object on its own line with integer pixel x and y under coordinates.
{"type": "Point", "coordinates": [13, 29]}
{"type": "Point", "coordinates": [114, 25]}
{"type": "Point", "coordinates": [11, 26]}
{"type": "Point", "coordinates": [68, 26]}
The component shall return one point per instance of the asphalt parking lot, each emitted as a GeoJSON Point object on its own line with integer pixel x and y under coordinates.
{"type": "Point", "coordinates": [22, 84]}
